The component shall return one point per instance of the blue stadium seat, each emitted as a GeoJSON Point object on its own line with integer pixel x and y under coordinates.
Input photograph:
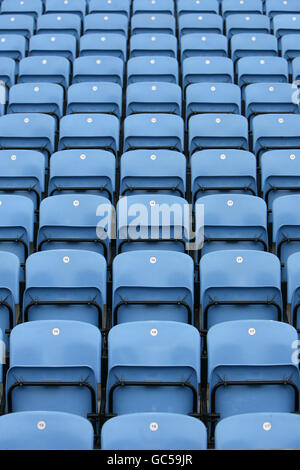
{"type": "Point", "coordinates": [199, 45]}
{"type": "Point", "coordinates": [263, 98]}
{"type": "Point", "coordinates": [13, 46]}
{"type": "Point", "coordinates": [23, 172]}
{"type": "Point", "coordinates": [63, 45]}
{"type": "Point", "coordinates": [56, 288]}
{"type": "Point", "coordinates": [153, 285]}
{"type": "Point", "coordinates": [77, 171]}
{"type": "Point", "coordinates": [258, 431]}
{"type": "Point", "coordinates": [9, 295]}
{"type": "Point", "coordinates": [153, 45]}
{"type": "Point", "coordinates": [280, 174]}
{"type": "Point", "coordinates": [296, 69]}
{"type": "Point", "coordinates": [246, 44]}
{"type": "Point", "coordinates": [153, 131]}
{"type": "Point", "coordinates": [250, 368]}
{"type": "Point", "coordinates": [19, 24]}
{"type": "Point", "coordinates": [25, 7]}
{"type": "Point", "coordinates": [46, 430]}
{"type": "Point", "coordinates": [277, 7]}
{"type": "Point", "coordinates": [45, 69]}
{"type": "Point", "coordinates": [208, 98]}
{"type": "Point", "coordinates": [218, 131]}
{"type": "Point", "coordinates": [33, 131]}
{"type": "Point", "coordinates": [286, 24]}
{"type": "Point", "coordinates": [274, 131]}
{"type": "Point", "coordinates": [253, 23]}
{"type": "Point", "coordinates": [109, 44]}
{"type": "Point", "coordinates": [7, 71]}
{"type": "Point", "coordinates": [61, 6]}
{"type": "Point", "coordinates": [229, 171]}
{"type": "Point", "coordinates": [153, 24]}
{"type": "Point", "coordinates": [286, 228]}
{"type": "Point", "coordinates": [152, 6]}
{"type": "Point", "coordinates": [158, 69]}
{"type": "Point", "coordinates": [239, 285]}
{"type": "Point", "coordinates": [171, 431]}
{"type": "Point", "coordinates": [89, 131]}
{"type": "Point", "coordinates": [54, 366]}
{"type": "Point", "coordinates": [197, 6]}
{"type": "Point", "coordinates": [100, 69]}
{"type": "Point", "coordinates": [36, 98]}
{"type": "Point", "coordinates": [95, 97]}
{"type": "Point", "coordinates": [230, 7]}
{"type": "Point", "coordinates": [110, 6]}
{"type": "Point", "coordinates": [148, 372]}
{"type": "Point", "coordinates": [289, 45]}
{"type": "Point", "coordinates": [204, 23]}
{"type": "Point", "coordinates": [102, 24]}
{"type": "Point", "coordinates": [153, 97]}
{"type": "Point", "coordinates": [83, 221]}
{"type": "Point", "coordinates": [293, 289]}
{"type": "Point", "coordinates": [146, 172]}
{"type": "Point", "coordinates": [233, 221]}
{"type": "Point", "coordinates": [53, 23]}
{"type": "Point", "coordinates": [261, 69]}
{"type": "Point", "coordinates": [201, 69]}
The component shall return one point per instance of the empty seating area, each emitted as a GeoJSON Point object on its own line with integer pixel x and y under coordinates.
{"type": "Point", "coordinates": [149, 224]}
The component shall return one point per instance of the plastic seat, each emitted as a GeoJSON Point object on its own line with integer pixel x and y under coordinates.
{"type": "Point", "coordinates": [153, 131]}
{"type": "Point", "coordinates": [247, 7]}
{"type": "Point", "coordinates": [9, 295]}
{"type": "Point", "coordinates": [45, 430]}
{"type": "Point", "coordinates": [53, 23]}
{"type": "Point", "coordinates": [153, 24]}
{"type": "Point", "coordinates": [251, 368]}
{"type": "Point", "coordinates": [217, 171]}
{"type": "Point", "coordinates": [77, 7]}
{"type": "Point", "coordinates": [101, 23]}
{"type": "Point", "coordinates": [277, 7]}
{"type": "Point", "coordinates": [197, 6]}
{"type": "Point", "coordinates": [218, 131]}
{"type": "Point", "coordinates": [54, 366]}
{"type": "Point", "coordinates": [7, 71]}
{"type": "Point", "coordinates": [19, 24]}
{"type": "Point", "coordinates": [148, 372]}
{"type": "Point", "coordinates": [261, 69]}
{"type": "Point", "coordinates": [36, 98]}
{"type": "Point", "coordinates": [57, 290]}
{"type": "Point", "coordinates": [201, 69]}
{"type": "Point", "coordinates": [286, 228]}
{"type": "Point", "coordinates": [153, 285]}
{"type": "Point", "coordinates": [109, 44]}
{"type": "Point", "coordinates": [148, 69]}
{"type": "Point", "coordinates": [82, 222]}
{"type": "Point", "coordinates": [289, 46]}
{"type": "Point", "coordinates": [82, 171]}
{"type": "Point", "coordinates": [26, 7]}
{"type": "Point", "coordinates": [296, 69]}
{"type": "Point", "coordinates": [145, 6]}
{"type": "Point", "coordinates": [275, 131]}
{"type": "Point", "coordinates": [110, 6]}
{"type": "Point", "coordinates": [246, 44]}
{"type": "Point", "coordinates": [152, 221]}
{"type": "Point", "coordinates": [22, 172]}
{"type": "Point", "coordinates": [153, 97]}
{"type": "Point", "coordinates": [253, 23]}
{"type": "Point", "coordinates": [45, 69]}
{"type": "Point", "coordinates": [101, 69]}
{"type": "Point", "coordinates": [293, 289]}
{"type": "Point", "coordinates": [135, 430]}
{"type": "Point", "coordinates": [258, 431]}
{"type": "Point", "coordinates": [89, 131]}
{"type": "Point", "coordinates": [153, 45]}
{"type": "Point", "coordinates": [205, 23]}
{"type": "Point", "coordinates": [208, 45]}
{"type": "Point", "coordinates": [263, 98]}
{"type": "Point", "coordinates": [208, 98]}
{"type": "Point", "coordinates": [94, 97]}
{"type": "Point", "coordinates": [13, 46]}
{"type": "Point", "coordinates": [239, 285]}
{"type": "Point", "coordinates": [146, 172]}
{"type": "Point", "coordinates": [286, 24]}
{"type": "Point", "coordinates": [63, 45]}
